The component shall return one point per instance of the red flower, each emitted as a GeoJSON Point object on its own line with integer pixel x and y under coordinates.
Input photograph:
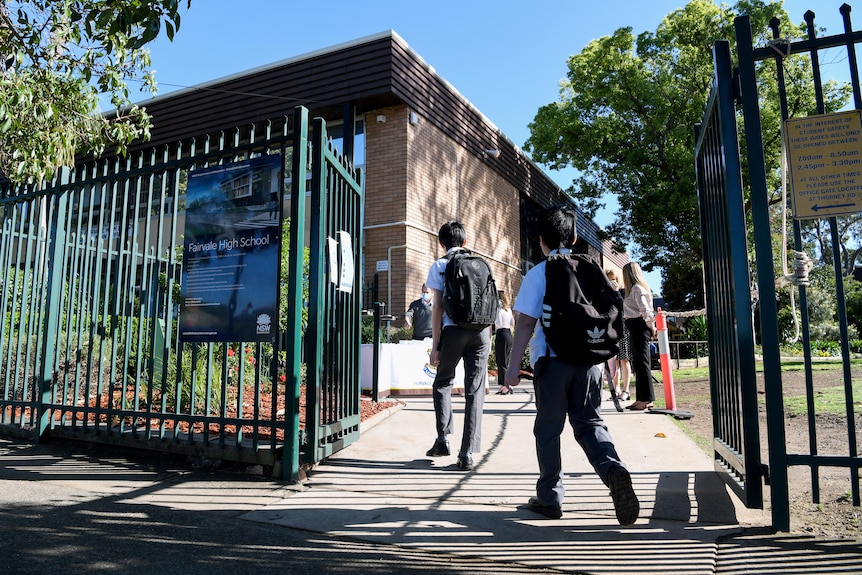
{"type": "Point", "coordinates": [282, 378]}
{"type": "Point", "coordinates": [248, 350]}
{"type": "Point", "coordinates": [230, 352]}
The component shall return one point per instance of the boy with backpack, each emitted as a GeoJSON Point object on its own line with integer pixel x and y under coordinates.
{"type": "Point", "coordinates": [570, 295]}
{"type": "Point", "coordinates": [464, 304]}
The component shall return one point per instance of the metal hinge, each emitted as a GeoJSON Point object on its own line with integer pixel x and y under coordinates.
{"type": "Point", "coordinates": [737, 87]}
{"type": "Point", "coordinates": [764, 472]}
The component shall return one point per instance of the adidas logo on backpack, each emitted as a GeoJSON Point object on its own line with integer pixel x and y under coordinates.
{"type": "Point", "coordinates": [596, 335]}
{"type": "Point", "coordinates": [581, 311]}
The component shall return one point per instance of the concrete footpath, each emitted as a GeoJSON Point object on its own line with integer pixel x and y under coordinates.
{"type": "Point", "coordinates": [381, 506]}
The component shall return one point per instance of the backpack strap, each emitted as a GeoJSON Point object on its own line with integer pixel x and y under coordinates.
{"type": "Point", "coordinates": [547, 355]}
{"type": "Point", "coordinates": [451, 255]}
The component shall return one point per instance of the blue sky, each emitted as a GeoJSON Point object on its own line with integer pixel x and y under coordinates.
{"type": "Point", "coordinates": [505, 57]}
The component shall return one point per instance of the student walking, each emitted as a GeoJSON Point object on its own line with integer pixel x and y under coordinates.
{"type": "Point", "coordinates": [451, 344]}
{"type": "Point", "coordinates": [564, 390]}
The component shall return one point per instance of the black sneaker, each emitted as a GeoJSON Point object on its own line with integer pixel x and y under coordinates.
{"type": "Point", "coordinates": [626, 503]}
{"type": "Point", "coordinates": [537, 506]}
{"type": "Point", "coordinates": [441, 448]}
{"type": "Point", "coordinates": [465, 462]}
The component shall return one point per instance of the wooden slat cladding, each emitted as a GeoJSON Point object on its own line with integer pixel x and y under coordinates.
{"type": "Point", "coordinates": [360, 73]}
{"type": "Point", "coordinates": [419, 87]}
{"type": "Point", "coordinates": [371, 73]}
{"type": "Point", "coordinates": [377, 72]}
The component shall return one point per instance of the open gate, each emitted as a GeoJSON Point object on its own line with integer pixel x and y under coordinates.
{"type": "Point", "coordinates": [728, 278]}
{"type": "Point", "coordinates": [335, 302]}
{"type": "Point", "coordinates": [91, 270]}
{"type": "Point", "coordinates": [732, 377]}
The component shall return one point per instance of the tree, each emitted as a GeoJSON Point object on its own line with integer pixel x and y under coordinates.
{"type": "Point", "coordinates": [58, 56]}
{"type": "Point", "coordinates": [849, 230]}
{"type": "Point", "coordinates": [625, 121]}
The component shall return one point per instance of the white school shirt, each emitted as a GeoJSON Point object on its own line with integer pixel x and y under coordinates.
{"type": "Point", "coordinates": [529, 302]}
{"type": "Point", "coordinates": [504, 319]}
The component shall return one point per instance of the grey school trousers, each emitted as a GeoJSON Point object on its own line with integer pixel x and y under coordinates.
{"type": "Point", "coordinates": [565, 390]}
{"type": "Point", "coordinates": [473, 347]}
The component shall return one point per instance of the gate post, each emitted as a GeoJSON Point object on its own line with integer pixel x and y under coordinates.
{"type": "Point", "coordinates": [293, 344]}
{"type": "Point", "coordinates": [765, 277]}
{"type": "Point", "coordinates": [732, 373]}
{"type": "Point", "coordinates": [56, 240]}
{"type": "Point", "coordinates": [375, 356]}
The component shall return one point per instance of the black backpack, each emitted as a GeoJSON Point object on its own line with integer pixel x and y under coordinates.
{"type": "Point", "coordinates": [581, 312]}
{"type": "Point", "coordinates": [470, 297]}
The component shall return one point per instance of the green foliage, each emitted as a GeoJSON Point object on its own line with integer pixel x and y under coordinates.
{"type": "Point", "coordinates": [821, 348]}
{"type": "Point", "coordinates": [397, 334]}
{"type": "Point", "coordinates": [284, 276]}
{"type": "Point", "coordinates": [787, 324]}
{"type": "Point", "coordinates": [387, 334]}
{"type": "Point", "coordinates": [830, 331]}
{"type": "Point", "coordinates": [170, 281]}
{"type": "Point", "coordinates": [825, 348]}
{"type": "Point", "coordinates": [695, 328]}
{"type": "Point", "coordinates": [366, 330]}
{"type": "Point", "coordinates": [187, 390]}
{"type": "Point", "coordinates": [50, 82]}
{"type": "Point", "coordinates": [817, 238]}
{"type": "Point", "coordinates": [682, 285]}
{"type": "Point", "coordinates": [822, 311]}
{"type": "Point", "coordinates": [853, 301]}
{"type": "Point", "coordinates": [202, 368]}
{"type": "Point", "coordinates": [625, 117]}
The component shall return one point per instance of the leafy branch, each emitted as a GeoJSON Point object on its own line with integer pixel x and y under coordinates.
{"type": "Point", "coordinates": [58, 58]}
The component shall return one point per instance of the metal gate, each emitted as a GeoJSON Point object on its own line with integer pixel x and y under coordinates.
{"type": "Point", "coordinates": [727, 273]}
{"type": "Point", "coordinates": [335, 306]}
{"type": "Point", "coordinates": [91, 270]}
{"type": "Point", "coordinates": [732, 377]}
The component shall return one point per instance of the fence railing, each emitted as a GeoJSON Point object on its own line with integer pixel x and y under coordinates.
{"type": "Point", "coordinates": [700, 352]}
{"type": "Point", "coordinates": [89, 344]}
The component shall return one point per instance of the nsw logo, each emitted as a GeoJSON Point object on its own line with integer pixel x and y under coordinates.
{"type": "Point", "coordinates": [264, 323]}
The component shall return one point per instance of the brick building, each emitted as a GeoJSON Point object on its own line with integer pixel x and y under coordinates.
{"type": "Point", "coordinates": [426, 155]}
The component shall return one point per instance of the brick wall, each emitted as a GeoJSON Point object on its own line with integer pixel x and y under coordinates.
{"type": "Point", "coordinates": [416, 179]}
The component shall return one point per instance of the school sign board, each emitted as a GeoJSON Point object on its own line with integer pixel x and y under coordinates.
{"type": "Point", "coordinates": [825, 164]}
{"type": "Point", "coordinates": [230, 252]}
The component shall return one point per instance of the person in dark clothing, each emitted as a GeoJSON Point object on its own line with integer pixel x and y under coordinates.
{"type": "Point", "coordinates": [640, 322]}
{"type": "Point", "coordinates": [418, 315]}
{"type": "Point", "coordinates": [451, 344]}
{"type": "Point", "coordinates": [564, 390]}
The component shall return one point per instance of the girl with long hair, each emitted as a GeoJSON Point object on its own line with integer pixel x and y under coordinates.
{"type": "Point", "coordinates": [503, 328]}
{"type": "Point", "coordinates": [640, 321]}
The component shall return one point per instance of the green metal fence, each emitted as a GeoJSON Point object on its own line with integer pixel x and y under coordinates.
{"type": "Point", "coordinates": [91, 270]}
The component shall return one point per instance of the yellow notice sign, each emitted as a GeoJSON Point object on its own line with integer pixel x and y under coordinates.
{"type": "Point", "coordinates": [825, 157]}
